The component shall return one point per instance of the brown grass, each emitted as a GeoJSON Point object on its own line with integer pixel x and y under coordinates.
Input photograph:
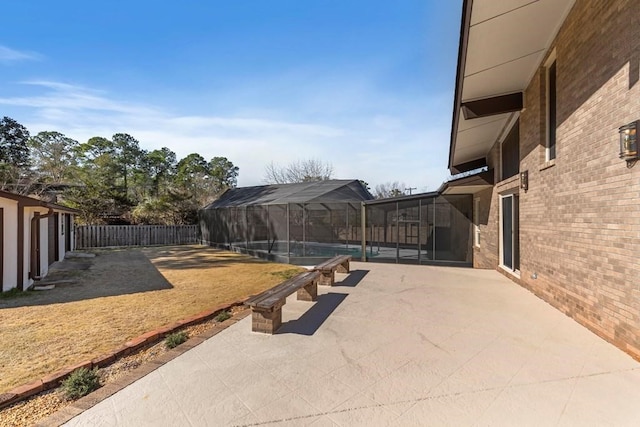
{"type": "Point", "coordinates": [121, 296]}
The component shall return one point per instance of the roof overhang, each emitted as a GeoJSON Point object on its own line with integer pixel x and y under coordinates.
{"type": "Point", "coordinates": [23, 200]}
{"type": "Point", "coordinates": [469, 184]}
{"type": "Point", "coordinates": [27, 201]}
{"type": "Point", "coordinates": [502, 44]}
{"type": "Point", "coordinates": [64, 209]}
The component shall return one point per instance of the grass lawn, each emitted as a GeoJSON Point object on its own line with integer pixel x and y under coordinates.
{"type": "Point", "coordinates": [118, 295]}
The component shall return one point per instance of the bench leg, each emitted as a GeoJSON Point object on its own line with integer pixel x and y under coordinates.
{"type": "Point", "coordinates": [344, 267]}
{"type": "Point", "coordinates": [266, 322]}
{"type": "Point", "coordinates": [309, 292]}
{"type": "Point", "coordinates": [327, 278]}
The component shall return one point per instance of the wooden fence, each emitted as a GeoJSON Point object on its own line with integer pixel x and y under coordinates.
{"type": "Point", "coordinates": [101, 236]}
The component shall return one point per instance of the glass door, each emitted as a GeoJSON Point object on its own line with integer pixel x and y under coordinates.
{"type": "Point", "coordinates": [510, 242]}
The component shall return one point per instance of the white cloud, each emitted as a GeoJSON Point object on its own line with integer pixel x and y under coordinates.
{"type": "Point", "coordinates": [66, 97]}
{"type": "Point", "coordinates": [8, 55]}
{"type": "Point", "coordinates": [252, 125]}
{"type": "Point", "coordinates": [394, 146]}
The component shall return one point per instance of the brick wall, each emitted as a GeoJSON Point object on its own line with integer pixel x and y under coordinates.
{"type": "Point", "coordinates": [580, 218]}
{"type": "Point", "coordinates": [486, 255]}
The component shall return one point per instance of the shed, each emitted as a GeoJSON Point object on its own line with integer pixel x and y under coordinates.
{"type": "Point", "coordinates": [33, 234]}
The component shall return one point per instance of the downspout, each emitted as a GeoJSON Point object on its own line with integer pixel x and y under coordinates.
{"type": "Point", "coordinates": [34, 253]}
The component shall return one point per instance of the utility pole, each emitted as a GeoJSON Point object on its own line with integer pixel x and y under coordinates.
{"type": "Point", "coordinates": [410, 189]}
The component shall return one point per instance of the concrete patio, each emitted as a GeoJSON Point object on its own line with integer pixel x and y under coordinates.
{"type": "Point", "coordinates": [393, 345]}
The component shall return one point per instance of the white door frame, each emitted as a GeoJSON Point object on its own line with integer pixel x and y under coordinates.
{"type": "Point", "coordinates": [515, 269]}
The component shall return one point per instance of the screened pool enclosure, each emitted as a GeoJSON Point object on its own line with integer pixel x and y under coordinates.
{"type": "Point", "coordinates": [307, 223]}
{"type": "Point", "coordinates": [301, 223]}
{"type": "Point", "coordinates": [427, 228]}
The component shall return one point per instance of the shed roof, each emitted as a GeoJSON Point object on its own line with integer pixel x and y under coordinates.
{"type": "Point", "coordinates": [31, 201]}
{"type": "Point", "coordinates": [329, 191]}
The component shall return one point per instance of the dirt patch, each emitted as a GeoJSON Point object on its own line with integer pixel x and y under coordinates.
{"type": "Point", "coordinates": [122, 294]}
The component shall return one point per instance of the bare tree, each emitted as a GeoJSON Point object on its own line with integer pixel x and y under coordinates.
{"type": "Point", "coordinates": [274, 174]}
{"type": "Point", "coordinates": [389, 189]}
{"type": "Point", "coordinates": [299, 171]}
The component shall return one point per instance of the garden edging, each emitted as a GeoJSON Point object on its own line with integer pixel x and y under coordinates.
{"type": "Point", "coordinates": [53, 380]}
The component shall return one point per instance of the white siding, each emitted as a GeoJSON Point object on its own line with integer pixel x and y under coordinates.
{"type": "Point", "coordinates": [44, 246]}
{"type": "Point", "coordinates": [72, 230]}
{"type": "Point", "coordinates": [29, 212]}
{"type": "Point", "coordinates": [10, 244]}
{"type": "Point", "coordinates": [62, 234]}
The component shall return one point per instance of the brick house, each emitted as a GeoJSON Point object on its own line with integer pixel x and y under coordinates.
{"type": "Point", "coordinates": [542, 89]}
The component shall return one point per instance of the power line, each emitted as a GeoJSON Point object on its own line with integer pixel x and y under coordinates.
{"type": "Point", "coordinates": [410, 189]}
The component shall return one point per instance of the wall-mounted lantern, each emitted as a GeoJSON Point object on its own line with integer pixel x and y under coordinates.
{"type": "Point", "coordinates": [524, 180]}
{"type": "Point", "coordinates": [629, 141]}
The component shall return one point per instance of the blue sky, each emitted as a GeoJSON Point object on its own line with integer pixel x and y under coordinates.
{"type": "Point", "coordinates": [366, 85]}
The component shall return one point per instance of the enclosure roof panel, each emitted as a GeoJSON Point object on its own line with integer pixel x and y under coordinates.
{"type": "Point", "coordinates": [410, 197]}
{"type": "Point", "coordinates": [329, 191]}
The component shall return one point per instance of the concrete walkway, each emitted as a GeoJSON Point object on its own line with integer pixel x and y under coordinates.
{"type": "Point", "coordinates": [393, 345]}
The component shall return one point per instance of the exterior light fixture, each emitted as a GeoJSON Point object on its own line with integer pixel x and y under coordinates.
{"type": "Point", "coordinates": [524, 180]}
{"type": "Point", "coordinates": [629, 141]}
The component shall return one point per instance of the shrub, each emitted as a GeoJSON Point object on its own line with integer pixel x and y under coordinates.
{"type": "Point", "coordinates": [80, 383]}
{"type": "Point", "coordinates": [175, 339]}
{"type": "Point", "coordinates": [222, 316]}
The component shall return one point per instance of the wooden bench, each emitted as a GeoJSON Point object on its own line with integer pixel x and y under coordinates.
{"type": "Point", "coordinates": [328, 268]}
{"type": "Point", "coordinates": [266, 308]}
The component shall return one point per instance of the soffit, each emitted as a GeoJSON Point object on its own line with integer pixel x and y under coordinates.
{"type": "Point", "coordinates": [469, 189]}
{"type": "Point", "coordinates": [506, 42]}
{"type": "Point", "coordinates": [477, 136]}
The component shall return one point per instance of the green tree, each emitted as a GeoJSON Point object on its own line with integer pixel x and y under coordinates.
{"type": "Point", "coordinates": [191, 173]}
{"type": "Point", "coordinates": [161, 166]}
{"type": "Point", "coordinates": [161, 204]}
{"type": "Point", "coordinates": [13, 143]}
{"type": "Point", "coordinates": [191, 166]}
{"type": "Point", "coordinates": [15, 175]}
{"type": "Point", "coordinates": [94, 148]}
{"type": "Point", "coordinates": [223, 172]}
{"type": "Point", "coordinates": [198, 182]}
{"type": "Point", "coordinates": [173, 207]}
{"type": "Point", "coordinates": [203, 179]}
{"type": "Point", "coordinates": [99, 191]}
{"type": "Point", "coordinates": [117, 178]}
{"type": "Point", "coordinates": [127, 155]}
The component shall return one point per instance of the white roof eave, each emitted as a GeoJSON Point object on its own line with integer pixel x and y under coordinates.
{"type": "Point", "coordinates": [507, 42]}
